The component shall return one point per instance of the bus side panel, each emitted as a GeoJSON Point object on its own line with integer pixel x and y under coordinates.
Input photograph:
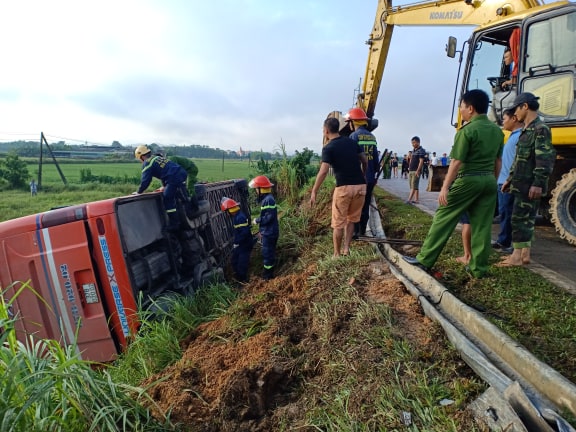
{"type": "Point", "coordinates": [115, 283]}
{"type": "Point", "coordinates": [64, 302]}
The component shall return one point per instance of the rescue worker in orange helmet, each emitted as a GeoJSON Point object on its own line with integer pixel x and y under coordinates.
{"type": "Point", "coordinates": [172, 176]}
{"type": "Point", "coordinates": [268, 221]}
{"type": "Point", "coordinates": [358, 121]}
{"type": "Point", "coordinates": [243, 239]}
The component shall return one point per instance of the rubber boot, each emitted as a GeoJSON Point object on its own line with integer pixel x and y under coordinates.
{"type": "Point", "coordinates": [173, 222]}
{"type": "Point", "coordinates": [242, 278]}
{"type": "Point", "coordinates": [268, 273]}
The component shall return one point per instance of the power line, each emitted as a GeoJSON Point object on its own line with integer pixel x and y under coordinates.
{"type": "Point", "coordinates": [82, 141]}
{"type": "Point", "coordinates": [10, 136]}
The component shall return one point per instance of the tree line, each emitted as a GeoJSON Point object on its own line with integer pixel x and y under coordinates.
{"type": "Point", "coordinates": [119, 151]}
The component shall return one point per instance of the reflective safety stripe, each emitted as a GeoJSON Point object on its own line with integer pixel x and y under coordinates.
{"type": "Point", "coordinates": [150, 163]}
{"type": "Point", "coordinates": [268, 267]}
{"type": "Point", "coordinates": [171, 211]}
{"type": "Point", "coordinates": [241, 225]}
{"type": "Point", "coordinates": [371, 143]}
{"type": "Point", "coordinates": [268, 207]}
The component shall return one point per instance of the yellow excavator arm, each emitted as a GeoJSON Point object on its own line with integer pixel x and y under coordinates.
{"type": "Point", "coordinates": [428, 13]}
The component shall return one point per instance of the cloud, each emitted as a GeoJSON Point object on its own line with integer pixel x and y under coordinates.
{"type": "Point", "coordinates": [223, 74]}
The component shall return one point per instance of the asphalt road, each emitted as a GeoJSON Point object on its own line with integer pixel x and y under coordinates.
{"type": "Point", "coordinates": [552, 257]}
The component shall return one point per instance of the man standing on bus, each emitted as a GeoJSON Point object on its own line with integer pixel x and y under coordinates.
{"type": "Point", "coordinates": [172, 176]}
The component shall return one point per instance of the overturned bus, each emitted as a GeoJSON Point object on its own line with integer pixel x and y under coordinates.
{"type": "Point", "coordinates": [79, 274]}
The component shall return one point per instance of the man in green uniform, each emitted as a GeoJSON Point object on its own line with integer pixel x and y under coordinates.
{"type": "Point", "coordinates": [528, 179]}
{"type": "Point", "coordinates": [469, 186]}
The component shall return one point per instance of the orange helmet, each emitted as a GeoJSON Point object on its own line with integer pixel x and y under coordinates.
{"type": "Point", "coordinates": [356, 114]}
{"type": "Point", "coordinates": [260, 182]}
{"type": "Point", "coordinates": [228, 204]}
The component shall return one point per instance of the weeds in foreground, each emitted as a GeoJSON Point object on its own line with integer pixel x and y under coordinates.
{"type": "Point", "coordinates": [48, 387]}
{"type": "Point", "coordinates": [523, 304]}
{"type": "Point", "coordinates": [157, 343]}
{"type": "Point", "coordinates": [375, 376]}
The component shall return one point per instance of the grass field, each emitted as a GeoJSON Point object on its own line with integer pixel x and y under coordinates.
{"type": "Point", "coordinates": [209, 170]}
{"type": "Point", "coordinates": [17, 203]}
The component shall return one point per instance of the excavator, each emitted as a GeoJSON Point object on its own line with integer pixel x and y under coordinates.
{"type": "Point", "coordinates": [542, 40]}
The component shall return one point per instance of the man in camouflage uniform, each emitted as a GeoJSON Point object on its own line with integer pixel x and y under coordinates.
{"type": "Point", "coordinates": [528, 179]}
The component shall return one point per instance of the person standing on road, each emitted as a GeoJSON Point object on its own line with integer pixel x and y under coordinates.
{"type": "Point", "coordinates": [506, 199]}
{"type": "Point", "coordinates": [405, 165]}
{"type": "Point", "coordinates": [394, 163]}
{"type": "Point", "coordinates": [358, 121]}
{"type": "Point", "coordinates": [528, 178]}
{"type": "Point", "coordinates": [349, 164]}
{"type": "Point", "coordinates": [415, 170]}
{"type": "Point", "coordinates": [425, 167]}
{"type": "Point", "coordinates": [444, 160]}
{"type": "Point", "coordinates": [469, 186]}
{"type": "Point", "coordinates": [268, 222]}
{"type": "Point", "coordinates": [172, 176]}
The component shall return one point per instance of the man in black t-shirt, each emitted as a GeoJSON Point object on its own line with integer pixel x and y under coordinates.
{"type": "Point", "coordinates": [415, 169]}
{"type": "Point", "coordinates": [349, 163]}
{"type": "Point", "coordinates": [425, 170]}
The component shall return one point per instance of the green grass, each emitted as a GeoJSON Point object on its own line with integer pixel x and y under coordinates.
{"type": "Point", "coordinates": [157, 344]}
{"type": "Point", "coordinates": [209, 170]}
{"type": "Point", "coordinates": [17, 203]}
{"type": "Point", "coordinates": [533, 311]}
{"type": "Point", "coordinates": [46, 387]}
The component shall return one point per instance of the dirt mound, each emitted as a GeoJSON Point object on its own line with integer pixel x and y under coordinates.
{"type": "Point", "coordinates": [245, 371]}
{"type": "Point", "coordinates": [229, 370]}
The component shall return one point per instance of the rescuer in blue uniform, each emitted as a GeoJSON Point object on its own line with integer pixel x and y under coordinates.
{"type": "Point", "coordinates": [243, 239]}
{"type": "Point", "coordinates": [268, 221]}
{"type": "Point", "coordinates": [358, 121]}
{"type": "Point", "coordinates": [172, 176]}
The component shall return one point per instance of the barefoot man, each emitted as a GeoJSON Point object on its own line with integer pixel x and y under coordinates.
{"type": "Point", "coordinates": [528, 179]}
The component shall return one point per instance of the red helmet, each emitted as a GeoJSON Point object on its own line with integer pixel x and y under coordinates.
{"type": "Point", "coordinates": [260, 182]}
{"type": "Point", "coordinates": [228, 204]}
{"type": "Point", "coordinates": [356, 114]}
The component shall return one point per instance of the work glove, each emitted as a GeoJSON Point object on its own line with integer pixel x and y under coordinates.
{"type": "Point", "coordinates": [234, 246]}
{"type": "Point", "coordinates": [255, 221]}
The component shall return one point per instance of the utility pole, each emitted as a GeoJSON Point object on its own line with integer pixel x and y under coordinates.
{"type": "Point", "coordinates": [43, 141]}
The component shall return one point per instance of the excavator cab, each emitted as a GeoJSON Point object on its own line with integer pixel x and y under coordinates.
{"type": "Point", "coordinates": [543, 53]}
{"type": "Point", "coordinates": [543, 50]}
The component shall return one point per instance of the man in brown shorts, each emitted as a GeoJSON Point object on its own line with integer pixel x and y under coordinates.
{"type": "Point", "coordinates": [349, 163]}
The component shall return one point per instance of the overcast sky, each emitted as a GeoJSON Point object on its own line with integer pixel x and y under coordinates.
{"type": "Point", "coordinates": [223, 73]}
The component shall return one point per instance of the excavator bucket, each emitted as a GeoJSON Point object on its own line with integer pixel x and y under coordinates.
{"type": "Point", "coordinates": [436, 178]}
